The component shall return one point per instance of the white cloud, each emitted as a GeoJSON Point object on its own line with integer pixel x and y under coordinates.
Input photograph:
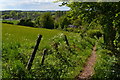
{"type": "Point", "coordinates": [43, 0]}
{"type": "Point", "coordinates": [30, 5]}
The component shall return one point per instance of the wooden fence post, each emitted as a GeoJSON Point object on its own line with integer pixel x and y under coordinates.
{"type": "Point", "coordinates": [43, 57]}
{"type": "Point", "coordinates": [66, 40]}
{"type": "Point", "coordinates": [34, 52]}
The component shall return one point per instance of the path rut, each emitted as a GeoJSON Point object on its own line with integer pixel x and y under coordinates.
{"type": "Point", "coordinates": [88, 70]}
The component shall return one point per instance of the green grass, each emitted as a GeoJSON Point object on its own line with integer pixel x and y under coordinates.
{"type": "Point", "coordinates": [18, 44]}
{"type": "Point", "coordinates": [27, 35]}
{"type": "Point", "coordinates": [11, 21]}
{"type": "Point", "coordinates": [106, 67]}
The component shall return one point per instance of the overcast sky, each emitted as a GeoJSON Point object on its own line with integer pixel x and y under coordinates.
{"type": "Point", "coordinates": [30, 5]}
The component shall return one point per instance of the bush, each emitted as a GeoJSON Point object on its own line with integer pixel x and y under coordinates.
{"type": "Point", "coordinates": [26, 22]}
{"type": "Point", "coordinates": [77, 22]}
{"type": "Point", "coordinates": [45, 21]}
{"type": "Point", "coordinates": [8, 22]}
{"type": "Point", "coordinates": [76, 30]}
{"type": "Point", "coordinates": [63, 22]}
{"type": "Point", "coordinates": [94, 33]}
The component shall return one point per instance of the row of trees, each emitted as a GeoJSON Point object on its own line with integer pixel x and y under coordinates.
{"type": "Point", "coordinates": [45, 21]}
{"type": "Point", "coordinates": [48, 20]}
{"type": "Point", "coordinates": [17, 15]}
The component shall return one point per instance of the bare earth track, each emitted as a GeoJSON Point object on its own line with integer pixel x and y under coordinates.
{"type": "Point", "coordinates": [88, 70]}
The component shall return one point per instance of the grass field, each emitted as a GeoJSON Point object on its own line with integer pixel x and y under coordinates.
{"type": "Point", "coordinates": [28, 35]}
{"type": "Point", "coordinates": [18, 44]}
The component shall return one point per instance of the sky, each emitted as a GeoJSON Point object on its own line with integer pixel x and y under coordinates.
{"type": "Point", "coordinates": [31, 5]}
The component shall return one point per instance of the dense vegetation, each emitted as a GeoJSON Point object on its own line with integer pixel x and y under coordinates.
{"type": "Point", "coordinates": [32, 18]}
{"type": "Point", "coordinates": [18, 43]}
{"type": "Point", "coordinates": [107, 15]}
{"type": "Point", "coordinates": [85, 24]}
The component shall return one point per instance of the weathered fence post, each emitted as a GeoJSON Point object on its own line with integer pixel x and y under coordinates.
{"type": "Point", "coordinates": [43, 57]}
{"type": "Point", "coordinates": [34, 52]}
{"type": "Point", "coordinates": [66, 40]}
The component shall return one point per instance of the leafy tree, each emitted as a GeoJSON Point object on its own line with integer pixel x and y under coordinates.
{"type": "Point", "coordinates": [13, 14]}
{"type": "Point", "coordinates": [63, 22]}
{"type": "Point", "coordinates": [26, 22]}
{"type": "Point", "coordinates": [107, 14]}
{"type": "Point", "coordinates": [77, 22]}
{"type": "Point", "coordinates": [5, 16]}
{"type": "Point", "coordinates": [37, 22]}
{"type": "Point", "coordinates": [46, 21]}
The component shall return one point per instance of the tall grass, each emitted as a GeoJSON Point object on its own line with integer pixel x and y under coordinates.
{"type": "Point", "coordinates": [18, 43]}
{"type": "Point", "coordinates": [106, 67]}
{"type": "Point", "coordinates": [27, 35]}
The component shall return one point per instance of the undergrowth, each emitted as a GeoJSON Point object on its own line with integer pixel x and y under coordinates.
{"type": "Point", "coordinates": [106, 67]}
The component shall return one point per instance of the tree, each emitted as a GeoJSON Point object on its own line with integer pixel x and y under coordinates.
{"type": "Point", "coordinates": [45, 21]}
{"type": "Point", "coordinates": [37, 22]}
{"type": "Point", "coordinates": [13, 14]}
{"type": "Point", "coordinates": [107, 14]}
{"type": "Point", "coordinates": [77, 22]}
{"type": "Point", "coordinates": [26, 22]}
{"type": "Point", "coordinates": [63, 22]}
{"type": "Point", "coordinates": [5, 16]}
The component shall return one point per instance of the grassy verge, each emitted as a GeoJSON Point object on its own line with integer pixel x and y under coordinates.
{"type": "Point", "coordinates": [106, 67]}
{"type": "Point", "coordinates": [18, 43]}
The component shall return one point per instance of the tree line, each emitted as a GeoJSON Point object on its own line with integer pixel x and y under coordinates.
{"type": "Point", "coordinates": [34, 19]}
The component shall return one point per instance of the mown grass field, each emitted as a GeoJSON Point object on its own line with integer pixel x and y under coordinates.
{"type": "Point", "coordinates": [18, 44]}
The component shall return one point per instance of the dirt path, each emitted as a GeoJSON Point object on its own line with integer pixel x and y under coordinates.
{"type": "Point", "coordinates": [88, 70]}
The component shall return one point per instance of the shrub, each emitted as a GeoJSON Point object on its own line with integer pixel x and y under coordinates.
{"type": "Point", "coordinates": [76, 30]}
{"type": "Point", "coordinates": [8, 22]}
{"type": "Point", "coordinates": [94, 33]}
{"type": "Point", "coordinates": [26, 22]}
{"type": "Point", "coordinates": [45, 21]}
{"type": "Point", "coordinates": [63, 22]}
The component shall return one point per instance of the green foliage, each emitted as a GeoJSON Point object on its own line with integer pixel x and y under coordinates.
{"type": "Point", "coordinates": [56, 24]}
{"type": "Point", "coordinates": [19, 41]}
{"type": "Point", "coordinates": [105, 14]}
{"type": "Point", "coordinates": [26, 22]}
{"type": "Point", "coordinates": [106, 67]}
{"type": "Point", "coordinates": [10, 21]}
{"type": "Point", "coordinates": [5, 16]}
{"type": "Point", "coordinates": [14, 61]}
{"type": "Point", "coordinates": [94, 33]}
{"type": "Point", "coordinates": [45, 21]}
{"type": "Point", "coordinates": [76, 30]}
{"type": "Point", "coordinates": [77, 22]}
{"type": "Point", "coordinates": [24, 35]}
{"type": "Point", "coordinates": [63, 21]}
{"type": "Point", "coordinates": [17, 15]}
{"type": "Point", "coordinates": [37, 22]}
{"type": "Point", "coordinates": [13, 13]}
{"type": "Point", "coordinates": [66, 58]}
